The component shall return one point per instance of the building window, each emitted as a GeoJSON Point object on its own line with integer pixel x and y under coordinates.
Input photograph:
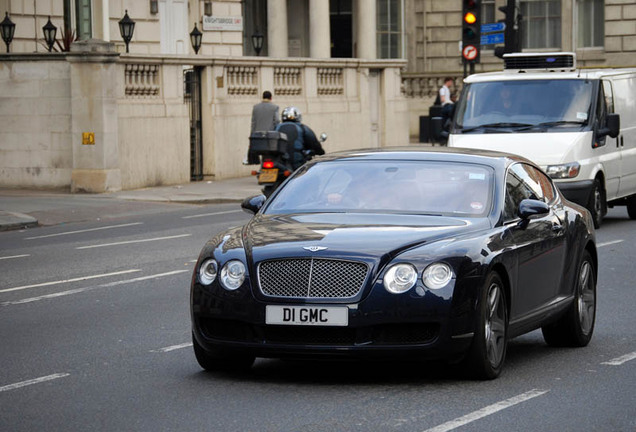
{"type": "Point", "coordinates": [488, 17]}
{"type": "Point", "coordinates": [541, 25]}
{"type": "Point", "coordinates": [590, 23]}
{"type": "Point", "coordinates": [84, 19]}
{"type": "Point", "coordinates": [389, 27]}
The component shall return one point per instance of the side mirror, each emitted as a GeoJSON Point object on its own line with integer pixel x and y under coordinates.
{"type": "Point", "coordinates": [253, 204]}
{"type": "Point", "coordinates": [613, 125]}
{"type": "Point", "coordinates": [323, 137]}
{"type": "Point", "coordinates": [529, 208]}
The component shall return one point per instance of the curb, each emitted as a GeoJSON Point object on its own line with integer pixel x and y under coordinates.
{"type": "Point", "coordinates": [13, 221]}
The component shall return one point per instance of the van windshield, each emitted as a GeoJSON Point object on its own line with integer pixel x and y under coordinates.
{"type": "Point", "coordinates": [531, 105]}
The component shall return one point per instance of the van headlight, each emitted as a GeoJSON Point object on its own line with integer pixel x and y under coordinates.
{"type": "Point", "coordinates": [232, 275]}
{"type": "Point", "coordinates": [564, 171]}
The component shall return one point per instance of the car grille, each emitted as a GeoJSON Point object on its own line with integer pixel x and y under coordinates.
{"type": "Point", "coordinates": [311, 278]}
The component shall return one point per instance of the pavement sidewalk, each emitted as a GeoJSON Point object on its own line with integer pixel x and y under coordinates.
{"type": "Point", "coordinates": [19, 207]}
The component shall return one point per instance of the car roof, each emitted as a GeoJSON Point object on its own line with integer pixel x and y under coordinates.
{"type": "Point", "coordinates": [427, 153]}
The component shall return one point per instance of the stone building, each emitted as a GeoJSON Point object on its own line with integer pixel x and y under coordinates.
{"type": "Point", "coordinates": [96, 118]}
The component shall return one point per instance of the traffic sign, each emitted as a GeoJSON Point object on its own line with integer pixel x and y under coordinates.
{"type": "Point", "coordinates": [493, 27]}
{"type": "Point", "coordinates": [493, 38]}
{"type": "Point", "coordinates": [470, 52]}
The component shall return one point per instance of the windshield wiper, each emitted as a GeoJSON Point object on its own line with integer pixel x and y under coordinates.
{"type": "Point", "coordinates": [550, 124]}
{"type": "Point", "coordinates": [500, 125]}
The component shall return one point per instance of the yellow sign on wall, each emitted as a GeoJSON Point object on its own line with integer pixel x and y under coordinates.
{"type": "Point", "coordinates": [88, 138]}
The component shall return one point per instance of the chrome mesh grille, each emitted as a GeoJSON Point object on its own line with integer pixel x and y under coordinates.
{"type": "Point", "coordinates": [311, 278]}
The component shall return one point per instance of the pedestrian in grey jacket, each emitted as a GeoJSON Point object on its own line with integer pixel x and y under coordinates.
{"type": "Point", "coordinates": [264, 114]}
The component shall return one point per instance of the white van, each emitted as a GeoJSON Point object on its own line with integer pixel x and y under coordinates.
{"type": "Point", "coordinates": [579, 125]}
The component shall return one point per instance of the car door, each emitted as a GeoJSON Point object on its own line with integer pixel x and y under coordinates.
{"type": "Point", "coordinates": [539, 243]}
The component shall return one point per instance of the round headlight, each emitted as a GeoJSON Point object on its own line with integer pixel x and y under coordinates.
{"type": "Point", "coordinates": [207, 271]}
{"type": "Point", "coordinates": [437, 275]}
{"type": "Point", "coordinates": [400, 278]}
{"type": "Point", "coordinates": [232, 275]}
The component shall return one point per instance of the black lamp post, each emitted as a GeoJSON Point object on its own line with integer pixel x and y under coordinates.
{"type": "Point", "coordinates": [7, 28]}
{"type": "Point", "coordinates": [126, 28]}
{"type": "Point", "coordinates": [257, 42]}
{"type": "Point", "coordinates": [195, 39]}
{"type": "Point", "coordinates": [49, 34]}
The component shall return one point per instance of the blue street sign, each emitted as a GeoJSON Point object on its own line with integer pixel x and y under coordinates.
{"type": "Point", "coordinates": [493, 27]}
{"type": "Point", "coordinates": [493, 38]}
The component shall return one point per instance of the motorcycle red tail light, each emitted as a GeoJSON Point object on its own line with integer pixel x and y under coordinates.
{"type": "Point", "coordinates": [268, 164]}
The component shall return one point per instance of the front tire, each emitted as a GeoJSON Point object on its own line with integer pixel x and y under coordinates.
{"type": "Point", "coordinates": [221, 360]}
{"type": "Point", "coordinates": [487, 353]}
{"type": "Point", "coordinates": [575, 328]}
{"type": "Point", "coordinates": [596, 203]}
{"type": "Point", "coordinates": [631, 206]}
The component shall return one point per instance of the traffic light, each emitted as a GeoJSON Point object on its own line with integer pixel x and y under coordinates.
{"type": "Point", "coordinates": [512, 32]}
{"type": "Point", "coordinates": [471, 30]}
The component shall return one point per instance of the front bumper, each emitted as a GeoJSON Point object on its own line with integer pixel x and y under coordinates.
{"type": "Point", "coordinates": [577, 192]}
{"type": "Point", "coordinates": [417, 323]}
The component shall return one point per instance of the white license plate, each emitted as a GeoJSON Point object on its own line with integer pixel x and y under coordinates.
{"type": "Point", "coordinates": [307, 315]}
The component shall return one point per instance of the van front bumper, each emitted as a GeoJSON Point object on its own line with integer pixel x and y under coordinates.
{"type": "Point", "coordinates": [577, 192]}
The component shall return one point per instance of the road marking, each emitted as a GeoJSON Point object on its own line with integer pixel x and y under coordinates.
{"type": "Point", "coordinates": [85, 230]}
{"type": "Point", "coordinates": [15, 256]}
{"type": "Point", "coordinates": [133, 241]}
{"type": "Point", "coordinates": [80, 290]}
{"type": "Point", "coordinates": [172, 348]}
{"type": "Point", "coordinates": [211, 214]}
{"type": "Point", "coordinates": [620, 360]}
{"type": "Point", "coordinates": [83, 278]}
{"type": "Point", "coordinates": [33, 381]}
{"type": "Point", "coordinates": [609, 243]}
{"type": "Point", "coordinates": [490, 409]}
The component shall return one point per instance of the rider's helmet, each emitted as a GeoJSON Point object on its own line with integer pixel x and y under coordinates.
{"type": "Point", "coordinates": [292, 114]}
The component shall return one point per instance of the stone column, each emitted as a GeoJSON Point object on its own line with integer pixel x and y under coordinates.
{"type": "Point", "coordinates": [277, 28]}
{"type": "Point", "coordinates": [94, 124]}
{"type": "Point", "coordinates": [319, 30]}
{"type": "Point", "coordinates": [101, 14]}
{"type": "Point", "coordinates": [366, 29]}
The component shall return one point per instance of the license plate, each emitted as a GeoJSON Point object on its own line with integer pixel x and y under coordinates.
{"type": "Point", "coordinates": [268, 175]}
{"type": "Point", "coordinates": [307, 315]}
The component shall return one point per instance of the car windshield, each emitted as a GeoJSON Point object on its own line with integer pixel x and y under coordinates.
{"type": "Point", "coordinates": [532, 105]}
{"type": "Point", "coordinates": [383, 186]}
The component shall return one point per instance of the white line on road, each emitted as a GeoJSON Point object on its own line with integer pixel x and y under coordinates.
{"type": "Point", "coordinates": [620, 360]}
{"type": "Point", "coordinates": [85, 230]}
{"type": "Point", "coordinates": [609, 243]}
{"type": "Point", "coordinates": [79, 290]}
{"type": "Point", "coordinates": [490, 409]}
{"type": "Point", "coordinates": [83, 278]}
{"type": "Point", "coordinates": [33, 381]}
{"type": "Point", "coordinates": [15, 256]}
{"type": "Point", "coordinates": [134, 241]}
{"type": "Point", "coordinates": [211, 214]}
{"type": "Point", "coordinates": [172, 348]}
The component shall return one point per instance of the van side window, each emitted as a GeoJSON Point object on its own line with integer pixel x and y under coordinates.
{"type": "Point", "coordinates": [609, 95]}
{"type": "Point", "coordinates": [601, 114]}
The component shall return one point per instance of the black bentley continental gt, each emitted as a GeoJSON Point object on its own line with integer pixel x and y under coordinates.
{"type": "Point", "coordinates": [414, 252]}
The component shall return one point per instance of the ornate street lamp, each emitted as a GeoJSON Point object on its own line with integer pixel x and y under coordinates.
{"type": "Point", "coordinates": [49, 34]}
{"type": "Point", "coordinates": [126, 28]}
{"type": "Point", "coordinates": [154, 7]}
{"type": "Point", "coordinates": [7, 28]}
{"type": "Point", "coordinates": [257, 42]}
{"type": "Point", "coordinates": [207, 8]}
{"type": "Point", "coordinates": [195, 39]}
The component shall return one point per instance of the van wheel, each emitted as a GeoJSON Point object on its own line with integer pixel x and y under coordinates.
{"type": "Point", "coordinates": [596, 204]}
{"type": "Point", "coordinates": [631, 206]}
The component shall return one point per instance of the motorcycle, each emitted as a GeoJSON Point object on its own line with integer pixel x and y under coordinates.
{"type": "Point", "coordinates": [272, 151]}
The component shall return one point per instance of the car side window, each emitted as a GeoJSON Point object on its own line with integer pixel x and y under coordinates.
{"type": "Point", "coordinates": [526, 182]}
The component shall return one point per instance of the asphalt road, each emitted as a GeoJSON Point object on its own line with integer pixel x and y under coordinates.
{"type": "Point", "coordinates": [95, 335]}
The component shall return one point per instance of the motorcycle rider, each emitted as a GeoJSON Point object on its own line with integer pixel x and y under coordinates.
{"type": "Point", "coordinates": [299, 136]}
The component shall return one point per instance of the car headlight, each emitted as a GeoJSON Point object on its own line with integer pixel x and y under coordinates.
{"type": "Point", "coordinates": [232, 275]}
{"type": "Point", "coordinates": [437, 275]}
{"type": "Point", "coordinates": [400, 278]}
{"type": "Point", "coordinates": [569, 170]}
{"type": "Point", "coordinates": [208, 271]}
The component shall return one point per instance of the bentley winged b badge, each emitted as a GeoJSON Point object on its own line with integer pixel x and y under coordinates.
{"type": "Point", "coordinates": [314, 248]}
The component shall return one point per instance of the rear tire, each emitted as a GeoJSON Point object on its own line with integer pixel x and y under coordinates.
{"type": "Point", "coordinates": [487, 353]}
{"type": "Point", "coordinates": [221, 360]}
{"type": "Point", "coordinates": [631, 206]}
{"type": "Point", "coordinates": [575, 328]}
{"type": "Point", "coordinates": [596, 203]}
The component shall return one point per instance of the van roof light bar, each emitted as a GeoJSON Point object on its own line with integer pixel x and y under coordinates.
{"type": "Point", "coordinates": [540, 62]}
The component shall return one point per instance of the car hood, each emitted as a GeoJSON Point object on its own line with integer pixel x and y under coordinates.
{"type": "Point", "coordinates": [369, 237]}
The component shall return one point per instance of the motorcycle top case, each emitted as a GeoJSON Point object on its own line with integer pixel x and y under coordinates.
{"type": "Point", "coordinates": [268, 142]}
